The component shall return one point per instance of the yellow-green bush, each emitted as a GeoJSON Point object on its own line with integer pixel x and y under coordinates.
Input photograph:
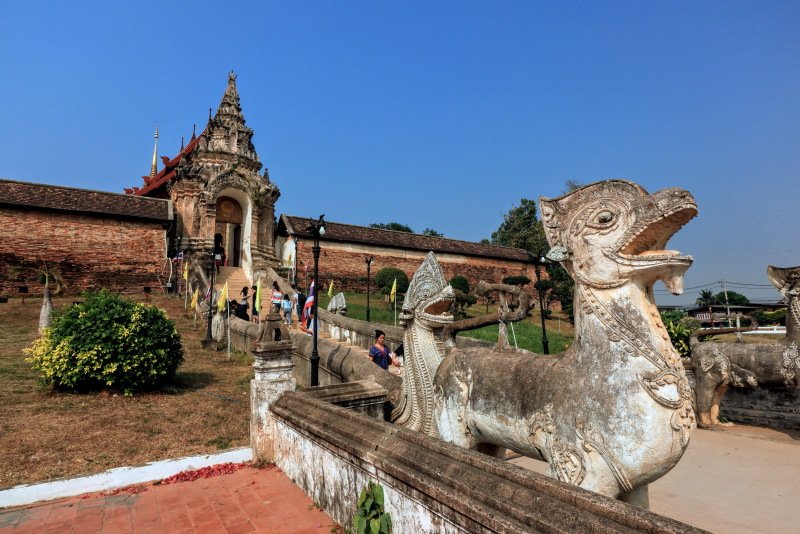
{"type": "Point", "coordinates": [108, 341]}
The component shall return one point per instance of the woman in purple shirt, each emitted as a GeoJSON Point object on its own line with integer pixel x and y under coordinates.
{"type": "Point", "coordinates": [379, 352]}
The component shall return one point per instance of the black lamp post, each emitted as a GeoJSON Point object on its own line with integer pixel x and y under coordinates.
{"type": "Point", "coordinates": [369, 260]}
{"type": "Point", "coordinates": [208, 340]}
{"type": "Point", "coordinates": [181, 281]}
{"type": "Point", "coordinates": [538, 260]}
{"type": "Point", "coordinates": [317, 228]}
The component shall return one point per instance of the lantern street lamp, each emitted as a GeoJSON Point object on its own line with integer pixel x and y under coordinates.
{"type": "Point", "coordinates": [208, 340]}
{"type": "Point", "coordinates": [317, 228]}
{"type": "Point", "coordinates": [369, 260]}
{"type": "Point", "coordinates": [538, 260]}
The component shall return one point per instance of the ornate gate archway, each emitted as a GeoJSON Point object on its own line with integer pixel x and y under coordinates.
{"type": "Point", "coordinates": [229, 220]}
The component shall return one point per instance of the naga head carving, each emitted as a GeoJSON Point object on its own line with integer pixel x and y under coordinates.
{"type": "Point", "coordinates": [608, 233]}
{"type": "Point", "coordinates": [429, 296]}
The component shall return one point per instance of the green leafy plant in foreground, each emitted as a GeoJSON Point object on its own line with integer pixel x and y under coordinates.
{"type": "Point", "coordinates": [108, 341]}
{"type": "Point", "coordinates": [370, 517]}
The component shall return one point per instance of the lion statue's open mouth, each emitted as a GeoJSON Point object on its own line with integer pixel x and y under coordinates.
{"type": "Point", "coordinates": [609, 234]}
{"type": "Point", "coordinates": [646, 243]}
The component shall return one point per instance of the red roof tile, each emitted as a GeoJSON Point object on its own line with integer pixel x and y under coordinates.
{"type": "Point", "coordinates": [167, 173]}
{"type": "Point", "coordinates": [53, 197]}
{"type": "Point", "coordinates": [377, 236]}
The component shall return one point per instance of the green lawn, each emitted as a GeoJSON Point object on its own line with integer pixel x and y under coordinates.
{"type": "Point", "coordinates": [528, 332]}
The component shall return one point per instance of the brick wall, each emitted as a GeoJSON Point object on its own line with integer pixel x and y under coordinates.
{"type": "Point", "coordinates": [89, 251]}
{"type": "Point", "coordinates": [777, 408]}
{"type": "Point", "coordinates": [344, 263]}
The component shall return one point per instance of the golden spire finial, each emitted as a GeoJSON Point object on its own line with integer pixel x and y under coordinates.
{"type": "Point", "coordinates": [155, 151]}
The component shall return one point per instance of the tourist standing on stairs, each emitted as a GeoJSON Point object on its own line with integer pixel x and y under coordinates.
{"type": "Point", "coordinates": [277, 298]}
{"type": "Point", "coordinates": [219, 251]}
{"type": "Point", "coordinates": [379, 352]}
{"type": "Point", "coordinates": [311, 323]}
{"type": "Point", "coordinates": [240, 308]}
{"type": "Point", "coordinates": [300, 299]}
{"type": "Point", "coordinates": [287, 310]}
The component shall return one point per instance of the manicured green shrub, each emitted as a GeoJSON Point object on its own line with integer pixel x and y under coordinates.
{"type": "Point", "coordinates": [462, 302]}
{"type": "Point", "coordinates": [520, 280]}
{"type": "Point", "coordinates": [459, 282]}
{"type": "Point", "coordinates": [385, 278]}
{"type": "Point", "coordinates": [108, 341]}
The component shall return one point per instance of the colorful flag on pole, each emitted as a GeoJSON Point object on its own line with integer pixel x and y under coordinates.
{"type": "Point", "coordinates": [195, 296]}
{"type": "Point", "coordinates": [312, 295]}
{"type": "Point", "coordinates": [222, 298]}
{"type": "Point", "coordinates": [258, 296]}
{"type": "Point", "coordinates": [330, 289]}
{"type": "Point", "coordinates": [186, 270]}
{"type": "Point", "coordinates": [393, 293]}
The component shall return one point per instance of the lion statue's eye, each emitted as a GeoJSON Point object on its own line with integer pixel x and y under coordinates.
{"type": "Point", "coordinates": [604, 217]}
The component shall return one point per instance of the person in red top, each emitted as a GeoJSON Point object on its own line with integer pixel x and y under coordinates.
{"type": "Point", "coordinates": [276, 298]}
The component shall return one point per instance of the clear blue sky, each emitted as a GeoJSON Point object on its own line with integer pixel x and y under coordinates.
{"type": "Point", "coordinates": [432, 114]}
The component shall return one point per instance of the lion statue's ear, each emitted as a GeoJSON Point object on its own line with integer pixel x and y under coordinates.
{"type": "Point", "coordinates": [783, 278]}
{"type": "Point", "coordinates": [551, 220]}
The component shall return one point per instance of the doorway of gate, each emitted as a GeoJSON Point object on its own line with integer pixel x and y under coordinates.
{"type": "Point", "coordinates": [229, 225]}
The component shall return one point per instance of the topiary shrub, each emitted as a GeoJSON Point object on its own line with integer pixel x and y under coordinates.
{"type": "Point", "coordinates": [459, 282]}
{"type": "Point", "coordinates": [108, 341]}
{"type": "Point", "coordinates": [385, 278]}
{"type": "Point", "coordinates": [462, 302]}
{"type": "Point", "coordinates": [520, 280]}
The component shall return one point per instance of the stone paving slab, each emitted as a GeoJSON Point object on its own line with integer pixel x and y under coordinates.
{"type": "Point", "coordinates": [742, 479]}
{"type": "Point", "coordinates": [247, 500]}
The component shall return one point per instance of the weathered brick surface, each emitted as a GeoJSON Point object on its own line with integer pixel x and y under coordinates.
{"type": "Point", "coordinates": [89, 251]}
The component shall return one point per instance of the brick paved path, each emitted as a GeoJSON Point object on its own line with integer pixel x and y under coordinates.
{"type": "Point", "coordinates": [248, 500]}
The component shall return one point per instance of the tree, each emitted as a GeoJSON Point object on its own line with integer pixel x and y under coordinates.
{"type": "Point", "coordinates": [459, 282]}
{"type": "Point", "coordinates": [734, 298]}
{"type": "Point", "coordinates": [522, 229]}
{"type": "Point", "coordinates": [46, 274]}
{"type": "Point", "coordinates": [386, 277]}
{"type": "Point", "coordinates": [563, 289]}
{"type": "Point", "coordinates": [571, 185]}
{"type": "Point", "coordinates": [431, 232]}
{"type": "Point", "coordinates": [705, 299]}
{"type": "Point", "coordinates": [397, 227]}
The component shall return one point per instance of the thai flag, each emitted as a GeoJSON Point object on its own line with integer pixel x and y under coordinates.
{"type": "Point", "coordinates": [312, 294]}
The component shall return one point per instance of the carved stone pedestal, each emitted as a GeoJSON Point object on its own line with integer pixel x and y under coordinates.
{"type": "Point", "coordinates": [273, 375]}
{"type": "Point", "coordinates": [271, 329]}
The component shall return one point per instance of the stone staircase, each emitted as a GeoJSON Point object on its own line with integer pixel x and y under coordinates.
{"type": "Point", "coordinates": [236, 279]}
